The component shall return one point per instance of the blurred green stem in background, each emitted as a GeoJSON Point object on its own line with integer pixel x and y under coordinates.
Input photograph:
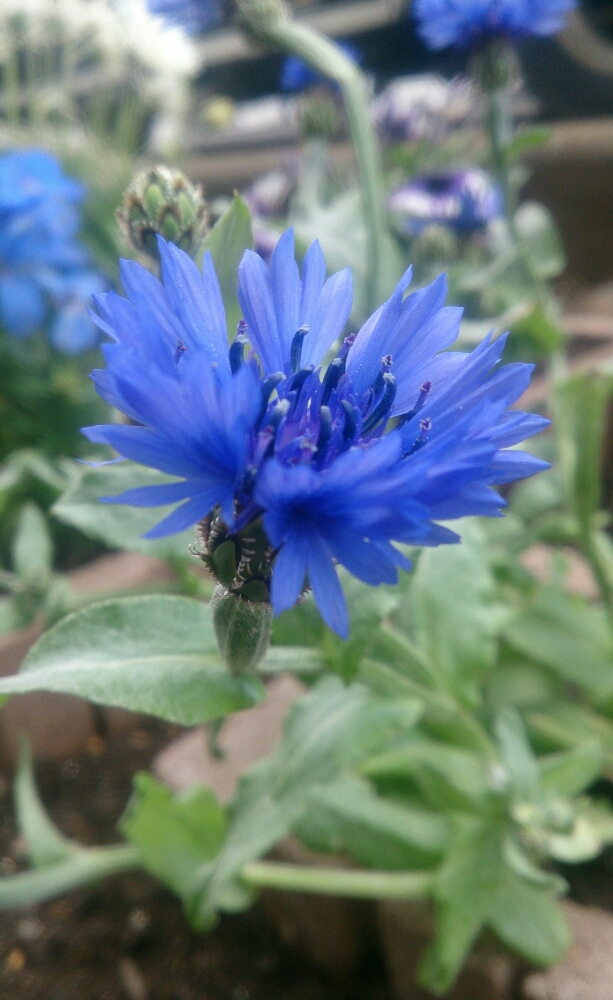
{"type": "Point", "coordinates": [268, 21]}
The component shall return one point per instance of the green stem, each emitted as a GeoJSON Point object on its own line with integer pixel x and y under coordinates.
{"type": "Point", "coordinates": [357, 883]}
{"type": "Point", "coordinates": [326, 58]}
{"type": "Point", "coordinates": [83, 867]}
{"type": "Point", "coordinates": [591, 553]}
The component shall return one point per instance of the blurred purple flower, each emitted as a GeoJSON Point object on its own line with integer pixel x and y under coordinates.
{"type": "Point", "coordinates": [465, 200]}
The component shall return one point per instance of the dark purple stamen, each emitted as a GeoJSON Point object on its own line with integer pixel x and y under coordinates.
{"type": "Point", "coordinates": [268, 387]}
{"type": "Point", "coordinates": [296, 350]}
{"type": "Point", "coordinates": [351, 420]}
{"type": "Point", "coordinates": [347, 345]}
{"type": "Point", "coordinates": [236, 352]}
{"type": "Point", "coordinates": [299, 379]}
{"type": "Point", "coordinates": [335, 369]}
{"type": "Point", "coordinates": [383, 405]}
{"type": "Point", "coordinates": [421, 399]}
{"type": "Point", "coordinates": [325, 429]}
{"type": "Point", "coordinates": [242, 328]}
{"type": "Point", "coordinates": [386, 363]}
{"type": "Point", "coordinates": [425, 426]}
{"type": "Point", "coordinates": [181, 349]}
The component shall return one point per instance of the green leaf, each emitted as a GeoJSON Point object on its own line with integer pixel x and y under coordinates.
{"type": "Point", "coordinates": [528, 920]}
{"type": "Point", "coordinates": [27, 462]}
{"type": "Point", "coordinates": [448, 776]}
{"type": "Point", "coordinates": [9, 615]}
{"type": "Point", "coordinates": [148, 654]}
{"type": "Point", "coordinates": [301, 660]}
{"type": "Point", "coordinates": [571, 772]}
{"type": "Point", "coordinates": [581, 407]}
{"type": "Point", "coordinates": [117, 525]}
{"type": "Point", "coordinates": [569, 636]}
{"type": "Point", "coordinates": [376, 832]}
{"type": "Point", "coordinates": [540, 239]}
{"type": "Point", "coordinates": [474, 888]}
{"type": "Point", "coordinates": [564, 724]}
{"type": "Point", "coordinates": [464, 890]}
{"type": "Point", "coordinates": [46, 845]}
{"type": "Point", "coordinates": [174, 835]}
{"type": "Point", "coordinates": [538, 334]}
{"type": "Point", "coordinates": [367, 608]}
{"type": "Point", "coordinates": [527, 139]}
{"type": "Point", "coordinates": [327, 731]}
{"type": "Point", "coordinates": [229, 238]}
{"type": "Point", "coordinates": [455, 611]}
{"type": "Point", "coordinates": [32, 550]}
{"type": "Point", "coordinates": [517, 757]}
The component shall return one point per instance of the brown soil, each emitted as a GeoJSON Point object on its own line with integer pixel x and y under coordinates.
{"type": "Point", "coordinates": [127, 938]}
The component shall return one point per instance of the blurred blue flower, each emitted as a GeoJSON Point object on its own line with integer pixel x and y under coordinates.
{"type": "Point", "coordinates": [464, 22]}
{"type": "Point", "coordinates": [42, 265]}
{"type": "Point", "coordinates": [394, 435]}
{"type": "Point", "coordinates": [465, 200]}
{"type": "Point", "coordinates": [296, 75]}
{"type": "Point", "coordinates": [195, 16]}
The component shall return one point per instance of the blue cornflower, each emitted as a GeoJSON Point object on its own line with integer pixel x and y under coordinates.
{"type": "Point", "coordinates": [42, 265]}
{"type": "Point", "coordinates": [195, 16]}
{"type": "Point", "coordinates": [463, 200]}
{"type": "Point", "coordinates": [465, 22]}
{"type": "Point", "coordinates": [297, 75]}
{"type": "Point", "coordinates": [334, 462]}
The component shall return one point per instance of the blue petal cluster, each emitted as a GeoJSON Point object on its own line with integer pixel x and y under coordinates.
{"type": "Point", "coordinates": [465, 22]}
{"type": "Point", "coordinates": [44, 272]}
{"type": "Point", "coordinates": [297, 75]}
{"type": "Point", "coordinates": [395, 434]}
{"type": "Point", "coordinates": [463, 200]}
{"type": "Point", "coordinates": [195, 16]}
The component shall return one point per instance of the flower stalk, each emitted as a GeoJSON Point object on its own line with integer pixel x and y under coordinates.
{"type": "Point", "coordinates": [356, 883]}
{"type": "Point", "coordinates": [269, 22]}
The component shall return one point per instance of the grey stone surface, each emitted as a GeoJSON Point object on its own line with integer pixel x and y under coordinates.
{"type": "Point", "coordinates": [586, 971]}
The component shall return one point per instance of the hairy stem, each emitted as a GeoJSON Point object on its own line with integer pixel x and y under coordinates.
{"type": "Point", "coordinates": [326, 58]}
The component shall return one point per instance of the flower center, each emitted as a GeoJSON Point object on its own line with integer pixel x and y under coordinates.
{"type": "Point", "coordinates": [307, 418]}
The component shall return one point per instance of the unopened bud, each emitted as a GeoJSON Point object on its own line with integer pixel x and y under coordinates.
{"type": "Point", "coordinates": [242, 629]}
{"type": "Point", "coordinates": [320, 116]}
{"type": "Point", "coordinates": [495, 66]}
{"type": "Point", "coordinates": [435, 243]}
{"type": "Point", "coordinates": [258, 18]}
{"type": "Point", "coordinates": [163, 202]}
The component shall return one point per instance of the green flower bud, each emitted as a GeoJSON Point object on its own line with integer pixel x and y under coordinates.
{"type": "Point", "coordinates": [242, 629]}
{"type": "Point", "coordinates": [320, 116]}
{"type": "Point", "coordinates": [241, 563]}
{"type": "Point", "coordinates": [162, 201]}
{"type": "Point", "coordinates": [435, 243]}
{"type": "Point", "coordinates": [258, 18]}
{"type": "Point", "coordinates": [495, 66]}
